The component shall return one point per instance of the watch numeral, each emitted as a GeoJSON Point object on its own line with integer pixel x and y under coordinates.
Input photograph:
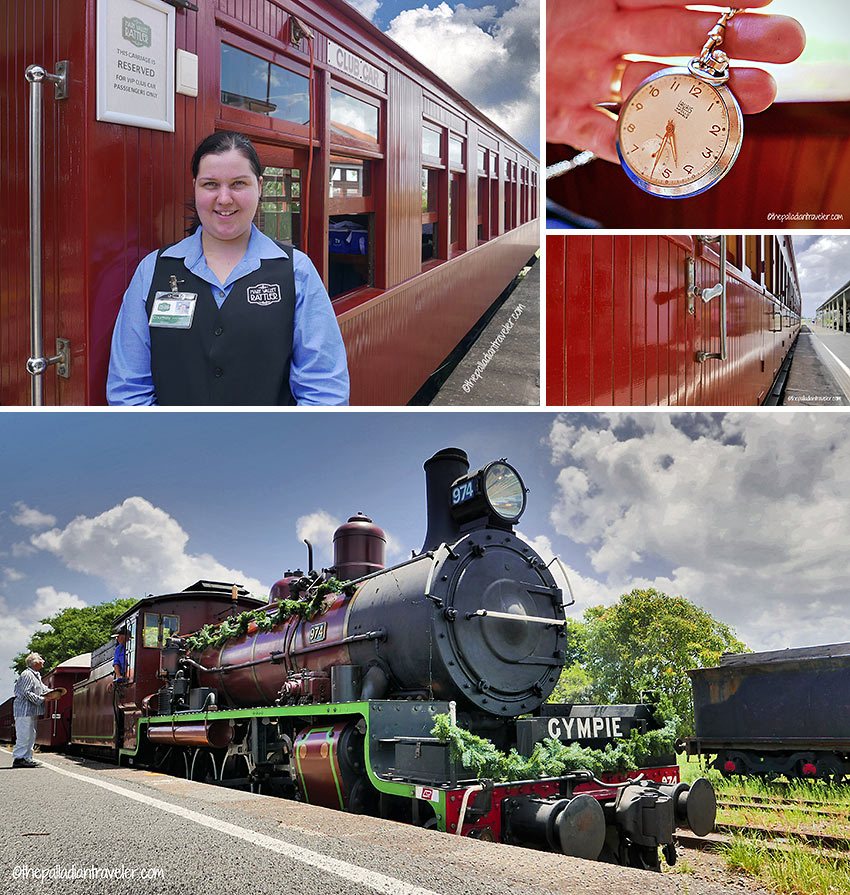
{"type": "Point", "coordinates": [630, 128]}
{"type": "Point", "coordinates": [715, 130]}
{"type": "Point", "coordinates": [666, 173]}
{"type": "Point", "coordinates": [695, 90]}
{"type": "Point", "coordinates": [638, 106]}
{"type": "Point", "coordinates": [634, 147]}
{"type": "Point", "coordinates": [689, 169]}
{"type": "Point", "coordinates": [654, 91]}
{"type": "Point", "coordinates": [707, 153]}
{"type": "Point", "coordinates": [675, 85]}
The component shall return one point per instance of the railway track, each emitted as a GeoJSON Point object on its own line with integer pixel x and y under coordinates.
{"type": "Point", "coordinates": [835, 848]}
{"type": "Point", "coordinates": [820, 809]}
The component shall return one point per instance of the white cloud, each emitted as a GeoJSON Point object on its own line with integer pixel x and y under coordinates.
{"type": "Point", "coordinates": [822, 268]}
{"type": "Point", "coordinates": [318, 528]}
{"type": "Point", "coordinates": [366, 8]}
{"type": "Point", "coordinates": [22, 549]}
{"type": "Point", "coordinates": [12, 575]}
{"type": "Point", "coordinates": [136, 548]}
{"type": "Point", "coordinates": [19, 625]}
{"type": "Point", "coordinates": [744, 514]}
{"type": "Point", "coordinates": [50, 601]}
{"type": "Point", "coordinates": [493, 61]}
{"type": "Point", "coordinates": [29, 517]}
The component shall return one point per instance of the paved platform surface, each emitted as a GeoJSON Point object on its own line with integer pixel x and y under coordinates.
{"type": "Point", "coordinates": [503, 365]}
{"type": "Point", "coordinates": [165, 835]}
{"type": "Point", "coordinates": [815, 378]}
{"type": "Point", "coordinates": [820, 371]}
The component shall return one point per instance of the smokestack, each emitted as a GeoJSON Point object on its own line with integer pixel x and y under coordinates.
{"type": "Point", "coordinates": [441, 470]}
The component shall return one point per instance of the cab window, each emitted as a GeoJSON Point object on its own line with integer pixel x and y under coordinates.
{"type": "Point", "coordinates": [158, 628]}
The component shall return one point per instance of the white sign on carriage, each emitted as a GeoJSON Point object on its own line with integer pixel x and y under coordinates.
{"type": "Point", "coordinates": [135, 63]}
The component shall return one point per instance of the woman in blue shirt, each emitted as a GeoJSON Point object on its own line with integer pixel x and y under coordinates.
{"type": "Point", "coordinates": [227, 316]}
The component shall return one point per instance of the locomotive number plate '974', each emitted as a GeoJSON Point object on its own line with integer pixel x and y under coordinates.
{"type": "Point", "coordinates": [318, 632]}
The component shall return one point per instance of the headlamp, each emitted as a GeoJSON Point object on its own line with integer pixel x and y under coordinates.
{"type": "Point", "coordinates": [495, 491]}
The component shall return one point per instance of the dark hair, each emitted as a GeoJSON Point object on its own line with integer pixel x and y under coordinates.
{"type": "Point", "coordinates": [223, 141]}
{"type": "Point", "coordinates": [217, 144]}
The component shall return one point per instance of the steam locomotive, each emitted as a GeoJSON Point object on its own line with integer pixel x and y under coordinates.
{"type": "Point", "coordinates": [329, 692]}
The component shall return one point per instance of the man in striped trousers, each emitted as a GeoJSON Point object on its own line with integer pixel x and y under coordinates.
{"type": "Point", "coordinates": [29, 700]}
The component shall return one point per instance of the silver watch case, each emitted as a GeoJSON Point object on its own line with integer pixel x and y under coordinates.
{"type": "Point", "coordinates": [724, 161]}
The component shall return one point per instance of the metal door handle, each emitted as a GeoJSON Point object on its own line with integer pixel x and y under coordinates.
{"type": "Point", "coordinates": [707, 296]}
{"type": "Point", "coordinates": [38, 363]}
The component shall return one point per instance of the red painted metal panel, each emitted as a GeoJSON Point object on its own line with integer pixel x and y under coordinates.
{"type": "Point", "coordinates": [579, 286]}
{"type": "Point", "coordinates": [555, 335]}
{"type": "Point", "coordinates": [621, 307]}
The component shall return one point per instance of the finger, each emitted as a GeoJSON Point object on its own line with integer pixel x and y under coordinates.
{"type": "Point", "coordinates": [754, 89]}
{"type": "Point", "coordinates": [682, 32]}
{"type": "Point", "coordinates": [644, 4]}
{"type": "Point", "coordinates": [583, 129]}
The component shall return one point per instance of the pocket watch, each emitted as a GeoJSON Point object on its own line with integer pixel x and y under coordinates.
{"type": "Point", "coordinates": [680, 131]}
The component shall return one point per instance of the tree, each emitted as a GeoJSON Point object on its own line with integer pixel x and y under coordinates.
{"type": "Point", "coordinates": [73, 631]}
{"type": "Point", "coordinates": [638, 650]}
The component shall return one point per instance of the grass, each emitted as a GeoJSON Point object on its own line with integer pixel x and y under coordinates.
{"type": "Point", "coordinates": [795, 869]}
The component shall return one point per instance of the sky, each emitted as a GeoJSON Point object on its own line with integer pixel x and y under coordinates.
{"type": "Point", "coordinates": [823, 265]}
{"type": "Point", "coordinates": [488, 51]}
{"type": "Point", "coordinates": [745, 514]}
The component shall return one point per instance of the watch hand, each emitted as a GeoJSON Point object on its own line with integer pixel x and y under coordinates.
{"type": "Point", "coordinates": [658, 154]}
{"type": "Point", "coordinates": [671, 130]}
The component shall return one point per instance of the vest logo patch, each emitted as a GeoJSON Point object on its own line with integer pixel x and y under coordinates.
{"type": "Point", "coordinates": [264, 294]}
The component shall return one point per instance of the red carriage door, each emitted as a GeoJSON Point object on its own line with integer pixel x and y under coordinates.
{"type": "Point", "coordinates": [708, 303]}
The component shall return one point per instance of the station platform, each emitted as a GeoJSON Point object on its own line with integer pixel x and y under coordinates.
{"type": "Point", "coordinates": [502, 367]}
{"type": "Point", "coordinates": [820, 369]}
{"type": "Point", "coordinates": [75, 825]}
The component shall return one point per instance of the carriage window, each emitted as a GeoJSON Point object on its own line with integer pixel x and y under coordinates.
{"type": "Point", "coordinates": [350, 177]}
{"type": "Point", "coordinates": [131, 646]}
{"type": "Point", "coordinates": [430, 216]}
{"type": "Point", "coordinates": [351, 225]}
{"type": "Point", "coordinates": [170, 626]}
{"type": "Point", "coordinates": [351, 117]}
{"type": "Point", "coordinates": [253, 84]}
{"type": "Point", "coordinates": [150, 630]}
{"type": "Point", "coordinates": [279, 211]}
{"type": "Point", "coordinates": [157, 629]}
{"type": "Point", "coordinates": [455, 151]}
{"type": "Point", "coordinates": [482, 160]}
{"type": "Point", "coordinates": [430, 142]}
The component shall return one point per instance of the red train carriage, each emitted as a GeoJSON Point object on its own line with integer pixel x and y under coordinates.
{"type": "Point", "coordinates": [663, 320]}
{"type": "Point", "coordinates": [416, 209]}
{"type": "Point", "coordinates": [98, 702]}
{"type": "Point", "coordinates": [54, 728]}
{"type": "Point", "coordinates": [7, 721]}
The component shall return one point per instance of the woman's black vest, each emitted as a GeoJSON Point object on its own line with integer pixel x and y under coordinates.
{"type": "Point", "coordinates": [237, 354]}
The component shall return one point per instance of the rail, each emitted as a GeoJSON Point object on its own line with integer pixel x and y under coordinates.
{"type": "Point", "coordinates": [37, 363]}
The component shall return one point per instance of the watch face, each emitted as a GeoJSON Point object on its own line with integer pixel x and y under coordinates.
{"type": "Point", "coordinates": [677, 134]}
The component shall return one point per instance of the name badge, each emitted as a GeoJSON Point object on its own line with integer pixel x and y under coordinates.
{"type": "Point", "coordinates": [174, 310]}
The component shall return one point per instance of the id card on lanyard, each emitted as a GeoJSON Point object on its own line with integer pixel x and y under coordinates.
{"type": "Point", "coordinates": [173, 310]}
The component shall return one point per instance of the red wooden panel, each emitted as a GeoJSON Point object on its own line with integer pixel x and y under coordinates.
{"type": "Point", "coordinates": [622, 322]}
{"type": "Point", "coordinates": [579, 303]}
{"type": "Point", "coordinates": [795, 158]}
{"type": "Point", "coordinates": [624, 308]}
{"type": "Point", "coordinates": [555, 335]}
{"type": "Point", "coordinates": [653, 350]}
{"type": "Point", "coordinates": [638, 317]}
{"type": "Point", "coordinates": [396, 340]}
{"type": "Point", "coordinates": [602, 319]}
